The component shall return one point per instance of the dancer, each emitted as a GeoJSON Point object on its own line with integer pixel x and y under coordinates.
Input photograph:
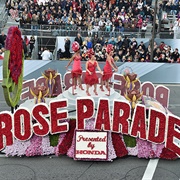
{"type": "Point", "coordinates": [107, 71]}
{"type": "Point", "coordinates": [91, 77]}
{"type": "Point", "coordinates": [76, 69]}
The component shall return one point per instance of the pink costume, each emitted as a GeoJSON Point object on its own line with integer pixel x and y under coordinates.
{"type": "Point", "coordinates": [76, 70]}
{"type": "Point", "coordinates": [92, 78]}
{"type": "Point", "coordinates": [107, 71]}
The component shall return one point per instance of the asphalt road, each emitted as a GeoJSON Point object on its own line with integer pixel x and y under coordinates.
{"type": "Point", "coordinates": [65, 168]}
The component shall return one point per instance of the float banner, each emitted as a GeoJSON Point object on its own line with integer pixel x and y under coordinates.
{"type": "Point", "coordinates": [91, 145]}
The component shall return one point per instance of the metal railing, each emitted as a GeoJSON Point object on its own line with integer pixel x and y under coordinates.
{"type": "Point", "coordinates": [64, 30]}
{"type": "Point", "coordinates": [67, 30]}
{"type": "Point", "coordinates": [3, 17]}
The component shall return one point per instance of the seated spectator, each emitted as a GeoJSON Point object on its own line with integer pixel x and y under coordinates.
{"type": "Point", "coordinates": [64, 18]}
{"type": "Point", "coordinates": [147, 58]}
{"type": "Point", "coordinates": [126, 42]}
{"type": "Point", "coordinates": [108, 27]}
{"type": "Point", "coordinates": [134, 43]}
{"type": "Point", "coordinates": [119, 42]}
{"type": "Point", "coordinates": [175, 55]}
{"type": "Point", "coordinates": [89, 43]}
{"type": "Point", "coordinates": [136, 57]}
{"type": "Point", "coordinates": [120, 54]}
{"type": "Point", "coordinates": [95, 40]}
{"type": "Point", "coordinates": [162, 45]}
{"type": "Point", "coordinates": [112, 41]}
{"type": "Point", "coordinates": [162, 58]}
{"type": "Point", "coordinates": [124, 59]}
{"type": "Point", "coordinates": [120, 27]}
{"type": "Point", "coordinates": [143, 46]}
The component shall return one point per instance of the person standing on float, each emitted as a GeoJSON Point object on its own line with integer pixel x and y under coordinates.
{"type": "Point", "coordinates": [91, 78]}
{"type": "Point", "coordinates": [76, 69]}
{"type": "Point", "coordinates": [107, 71]}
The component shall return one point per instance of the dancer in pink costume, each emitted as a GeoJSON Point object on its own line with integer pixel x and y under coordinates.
{"type": "Point", "coordinates": [91, 76]}
{"type": "Point", "coordinates": [76, 69]}
{"type": "Point", "coordinates": [107, 71]}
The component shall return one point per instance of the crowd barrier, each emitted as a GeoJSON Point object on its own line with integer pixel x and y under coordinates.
{"type": "Point", "coordinates": [65, 30]}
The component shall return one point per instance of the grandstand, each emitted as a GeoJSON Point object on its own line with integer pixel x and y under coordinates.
{"type": "Point", "coordinates": [52, 33]}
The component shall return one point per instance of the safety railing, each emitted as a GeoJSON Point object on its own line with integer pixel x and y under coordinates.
{"type": "Point", "coordinates": [3, 17]}
{"type": "Point", "coordinates": [67, 30]}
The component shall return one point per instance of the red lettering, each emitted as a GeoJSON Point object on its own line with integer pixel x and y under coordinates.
{"type": "Point", "coordinates": [85, 109]}
{"type": "Point", "coordinates": [121, 115]}
{"type": "Point", "coordinates": [139, 122]}
{"type": "Point", "coordinates": [6, 135]}
{"type": "Point", "coordinates": [22, 125]}
{"type": "Point", "coordinates": [41, 128]}
{"type": "Point", "coordinates": [157, 126]}
{"type": "Point", "coordinates": [173, 122]}
{"type": "Point", "coordinates": [103, 116]}
{"type": "Point", "coordinates": [56, 116]}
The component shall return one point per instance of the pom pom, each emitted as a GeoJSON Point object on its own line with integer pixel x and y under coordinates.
{"type": "Point", "coordinates": [75, 46]}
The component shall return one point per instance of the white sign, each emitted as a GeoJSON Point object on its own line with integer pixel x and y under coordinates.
{"type": "Point", "coordinates": [91, 145]}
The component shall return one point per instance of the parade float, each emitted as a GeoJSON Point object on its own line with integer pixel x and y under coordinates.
{"type": "Point", "coordinates": [133, 120]}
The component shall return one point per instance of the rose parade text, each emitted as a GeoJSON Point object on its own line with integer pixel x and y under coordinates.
{"type": "Point", "coordinates": [158, 127]}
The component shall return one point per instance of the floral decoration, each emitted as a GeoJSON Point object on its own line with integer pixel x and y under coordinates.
{"type": "Point", "coordinates": [168, 154]}
{"type": "Point", "coordinates": [129, 141]}
{"type": "Point", "coordinates": [39, 93]}
{"type": "Point", "coordinates": [35, 147]}
{"type": "Point", "coordinates": [50, 76]}
{"type": "Point", "coordinates": [14, 44]}
{"type": "Point", "coordinates": [13, 67]}
{"type": "Point", "coordinates": [131, 79]}
{"type": "Point", "coordinates": [54, 139]}
{"type": "Point", "coordinates": [67, 141]}
{"type": "Point", "coordinates": [133, 96]}
{"type": "Point", "coordinates": [47, 149]}
{"type": "Point", "coordinates": [119, 145]}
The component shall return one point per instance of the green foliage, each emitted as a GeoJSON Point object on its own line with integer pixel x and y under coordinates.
{"type": "Point", "coordinates": [12, 91]}
{"type": "Point", "coordinates": [129, 141]}
{"type": "Point", "coordinates": [53, 139]}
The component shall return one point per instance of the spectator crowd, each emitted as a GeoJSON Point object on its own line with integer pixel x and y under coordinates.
{"type": "Point", "coordinates": [125, 50]}
{"type": "Point", "coordinates": [90, 15]}
{"type": "Point", "coordinates": [94, 16]}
